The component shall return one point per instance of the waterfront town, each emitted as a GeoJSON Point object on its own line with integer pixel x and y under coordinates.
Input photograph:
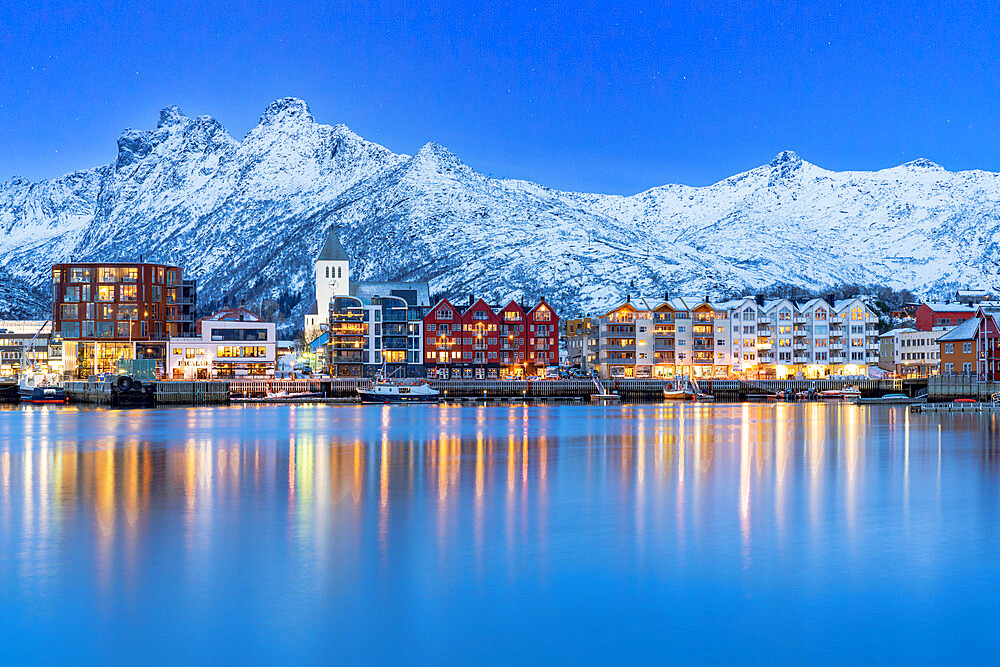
{"type": "Point", "coordinates": [145, 315]}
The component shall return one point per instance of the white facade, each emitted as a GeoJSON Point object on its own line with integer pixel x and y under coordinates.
{"type": "Point", "coordinates": [917, 352]}
{"type": "Point", "coordinates": [779, 338]}
{"type": "Point", "coordinates": [332, 279]}
{"type": "Point", "coordinates": [224, 348]}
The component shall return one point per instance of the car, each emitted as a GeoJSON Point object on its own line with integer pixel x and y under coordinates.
{"type": "Point", "coordinates": [965, 400]}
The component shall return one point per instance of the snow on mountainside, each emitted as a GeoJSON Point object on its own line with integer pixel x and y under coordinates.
{"type": "Point", "coordinates": [247, 217]}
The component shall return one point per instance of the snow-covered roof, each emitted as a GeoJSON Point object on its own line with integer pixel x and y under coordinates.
{"type": "Point", "coordinates": [949, 307]}
{"type": "Point", "coordinates": [967, 330]}
{"type": "Point", "coordinates": [900, 330]}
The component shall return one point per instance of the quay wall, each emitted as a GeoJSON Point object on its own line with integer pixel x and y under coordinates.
{"type": "Point", "coordinates": [97, 392]}
{"type": "Point", "coordinates": [629, 388]}
{"type": "Point", "coordinates": [192, 393]}
{"type": "Point", "coordinates": [950, 387]}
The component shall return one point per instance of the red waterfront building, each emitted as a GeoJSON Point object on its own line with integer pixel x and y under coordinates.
{"type": "Point", "coordinates": [490, 341]}
{"type": "Point", "coordinates": [931, 316]}
{"type": "Point", "coordinates": [109, 311]}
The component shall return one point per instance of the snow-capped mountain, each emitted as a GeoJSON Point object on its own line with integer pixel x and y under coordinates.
{"type": "Point", "coordinates": [247, 217]}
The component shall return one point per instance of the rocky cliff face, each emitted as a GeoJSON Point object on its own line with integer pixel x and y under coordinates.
{"type": "Point", "coordinates": [246, 218]}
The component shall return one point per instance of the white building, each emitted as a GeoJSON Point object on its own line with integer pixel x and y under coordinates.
{"type": "Point", "coordinates": [912, 353]}
{"type": "Point", "coordinates": [739, 337]}
{"type": "Point", "coordinates": [230, 343]}
{"type": "Point", "coordinates": [332, 278]}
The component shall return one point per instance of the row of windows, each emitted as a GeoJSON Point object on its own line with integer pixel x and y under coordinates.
{"type": "Point", "coordinates": [113, 274]}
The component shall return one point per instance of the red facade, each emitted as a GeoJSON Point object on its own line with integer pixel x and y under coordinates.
{"type": "Point", "coordinates": [442, 336]}
{"type": "Point", "coordinates": [480, 332]}
{"type": "Point", "coordinates": [490, 341]}
{"type": "Point", "coordinates": [543, 336]}
{"type": "Point", "coordinates": [941, 315]}
{"type": "Point", "coordinates": [102, 301]}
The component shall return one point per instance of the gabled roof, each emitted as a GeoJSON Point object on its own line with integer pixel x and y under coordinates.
{"type": "Point", "coordinates": [967, 330]}
{"type": "Point", "coordinates": [949, 307]}
{"type": "Point", "coordinates": [232, 315]}
{"type": "Point", "coordinates": [332, 251]}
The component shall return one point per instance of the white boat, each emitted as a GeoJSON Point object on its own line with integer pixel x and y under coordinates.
{"type": "Point", "coordinates": [387, 390]}
{"type": "Point", "coordinates": [392, 391]}
{"type": "Point", "coordinates": [846, 392]}
{"type": "Point", "coordinates": [684, 389]}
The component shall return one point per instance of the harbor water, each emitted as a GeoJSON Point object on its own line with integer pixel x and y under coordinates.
{"type": "Point", "coordinates": [497, 534]}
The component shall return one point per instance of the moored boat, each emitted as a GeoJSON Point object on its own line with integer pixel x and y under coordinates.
{"type": "Point", "coordinates": [385, 389]}
{"type": "Point", "coordinates": [683, 389]}
{"type": "Point", "coordinates": [37, 388]}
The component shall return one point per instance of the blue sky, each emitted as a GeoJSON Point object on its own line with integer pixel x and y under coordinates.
{"type": "Point", "coordinates": [605, 97]}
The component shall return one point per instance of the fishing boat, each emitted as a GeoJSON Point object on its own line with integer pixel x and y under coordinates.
{"type": "Point", "coordinates": [35, 387]}
{"type": "Point", "coordinates": [385, 389]}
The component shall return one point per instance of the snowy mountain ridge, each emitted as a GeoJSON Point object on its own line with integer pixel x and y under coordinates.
{"type": "Point", "coordinates": [247, 217]}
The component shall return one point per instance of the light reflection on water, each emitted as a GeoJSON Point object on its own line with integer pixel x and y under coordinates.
{"type": "Point", "coordinates": [445, 533]}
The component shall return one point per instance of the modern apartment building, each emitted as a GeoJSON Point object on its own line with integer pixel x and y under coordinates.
{"type": "Point", "coordinates": [744, 337]}
{"type": "Point", "coordinates": [360, 325]}
{"type": "Point", "coordinates": [106, 312]}
{"type": "Point", "coordinates": [378, 324]}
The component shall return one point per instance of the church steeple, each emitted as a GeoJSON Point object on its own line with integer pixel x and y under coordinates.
{"type": "Point", "coordinates": [332, 272]}
{"type": "Point", "coordinates": [332, 250]}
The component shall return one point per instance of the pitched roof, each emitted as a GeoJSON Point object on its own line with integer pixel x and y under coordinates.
{"type": "Point", "coordinates": [949, 307]}
{"type": "Point", "coordinates": [967, 330]}
{"type": "Point", "coordinates": [332, 251]}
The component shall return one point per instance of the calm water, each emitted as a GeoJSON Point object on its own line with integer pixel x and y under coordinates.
{"type": "Point", "coordinates": [467, 534]}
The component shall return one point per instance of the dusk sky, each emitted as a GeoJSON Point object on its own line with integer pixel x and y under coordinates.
{"type": "Point", "coordinates": [582, 96]}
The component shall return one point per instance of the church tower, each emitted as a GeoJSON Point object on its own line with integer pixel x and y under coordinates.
{"type": "Point", "coordinates": [332, 278]}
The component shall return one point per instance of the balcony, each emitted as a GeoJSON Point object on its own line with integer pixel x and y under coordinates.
{"type": "Point", "coordinates": [663, 346]}
{"type": "Point", "coordinates": [618, 348]}
{"type": "Point", "coordinates": [702, 347]}
{"type": "Point", "coordinates": [802, 359]}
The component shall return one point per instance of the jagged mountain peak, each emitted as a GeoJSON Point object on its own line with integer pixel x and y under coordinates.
{"type": "Point", "coordinates": [247, 217]}
{"type": "Point", "coordinates": [287, 109]}
{"type": "Point", "coordinates": [785, 158]}
{"type": "Point", "coordinates": [171, 115]}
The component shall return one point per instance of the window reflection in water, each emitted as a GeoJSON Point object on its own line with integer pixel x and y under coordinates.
{"type": "Point", "coordinates": [478, 488]}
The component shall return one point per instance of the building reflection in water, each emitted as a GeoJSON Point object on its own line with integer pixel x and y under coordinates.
{"type": "Point", "coordinates": [460, 489]}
